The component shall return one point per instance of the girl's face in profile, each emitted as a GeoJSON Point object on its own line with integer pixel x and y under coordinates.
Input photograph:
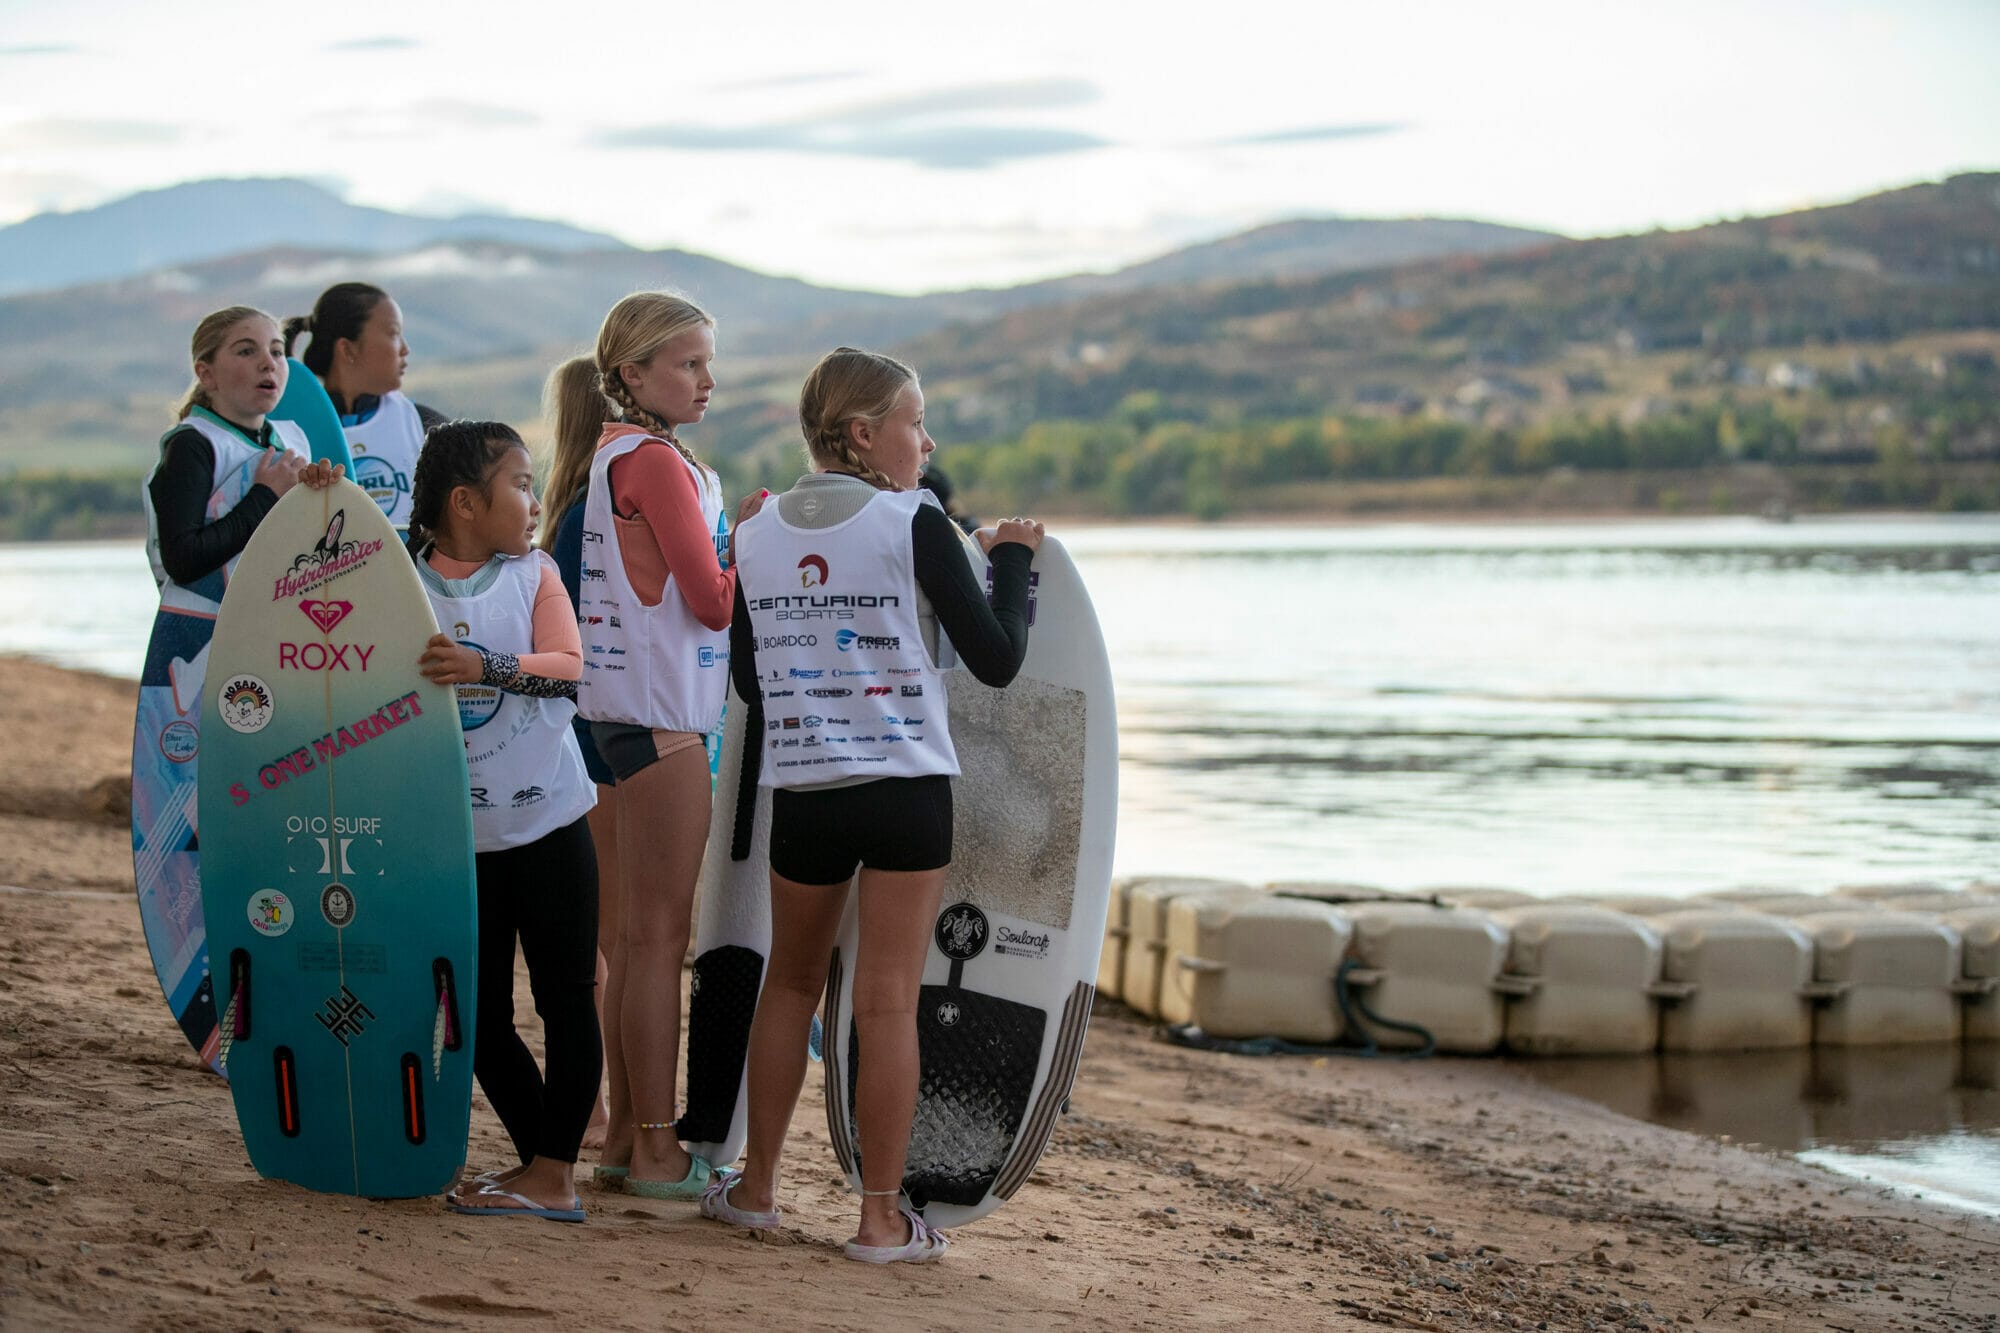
{"type": "Point", "coordinates": [375, 361]}
{"type": "Point", "coordinates": [899, 446]}
{"type": "Point", "coordinates": [675, 384]}
{"type": "Point", "coordinates": [246, 376]}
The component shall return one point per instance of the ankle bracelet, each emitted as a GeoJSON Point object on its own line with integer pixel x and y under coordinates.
{"type": "Point", "coordinates": [655, 1124]}
{"type": "Point", "coordinates": [877, 1194]}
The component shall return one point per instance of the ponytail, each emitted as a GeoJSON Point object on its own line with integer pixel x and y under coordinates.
{"type": "Point", "coordinates": [576, 410]}
{"type": "Point", "coordinates": [342, 311]}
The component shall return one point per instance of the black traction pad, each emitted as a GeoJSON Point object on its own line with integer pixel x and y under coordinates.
{"type": "Point", "coordinates": [724, 1001]}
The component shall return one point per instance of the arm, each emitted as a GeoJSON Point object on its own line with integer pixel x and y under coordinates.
{"type": "Point", "coordinates": [651, 482]}
{"type": "Point", "coordinates": [191, 547]}
{"type": "Point", "coordinates": [550, 671]}
{"type": "Point", "coordinates": [743, 653]}
{"type": "Point", "coordinates": [991, 641]}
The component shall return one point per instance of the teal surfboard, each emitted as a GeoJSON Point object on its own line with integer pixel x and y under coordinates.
{"type": "Point", "coordinates": [337, 864]}
{"type": "Point", "coordinates": [306, 403]}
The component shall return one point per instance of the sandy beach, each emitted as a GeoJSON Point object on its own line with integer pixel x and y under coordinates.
{"type": "Point", "coordinates": [1184, 1189]}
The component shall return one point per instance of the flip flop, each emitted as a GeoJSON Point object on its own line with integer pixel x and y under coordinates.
{"type": "Point", "coordinates": [689, 1188]}
{"type": "Point", "coordinates": [526, 1207]}
{"type": "Point", "coordinates": [926, 1245]}
{"type": "Point", "coordinates": [715, 1204]}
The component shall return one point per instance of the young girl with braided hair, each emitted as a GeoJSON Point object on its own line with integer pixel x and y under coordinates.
{"type": "Point", "coordinates": [508, 640]}
{"type": "Point", "coordinates": [656, 593]}
{"type": "Point", "coordinates": [874, 793]}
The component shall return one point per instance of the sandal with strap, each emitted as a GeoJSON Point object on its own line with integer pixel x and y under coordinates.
{"type": "Point", "coordinates": [926, 1245]}
{"type": "Point", "coordinates": [715, 1204]}
{"type": "Point", "coordinates": [519, 1205]}
{"type": "Point", "coordinates": [689, 1187]}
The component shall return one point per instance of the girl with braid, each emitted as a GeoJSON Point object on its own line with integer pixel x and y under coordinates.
{"type": "Point", "coordinates": [508, 641]}
{"type": "Point", "coordinates": [656, 593]}
{"type": "Point", "coordinates": [859, 541]}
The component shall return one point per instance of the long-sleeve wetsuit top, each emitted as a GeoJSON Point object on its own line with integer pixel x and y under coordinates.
{"type": "Point", "coordinates": [191, 547]}
{"type": "Point", "coordinates": [653, 485]}
{"type": "Point", "coordinates": [991, 639]}
{"type": "Point", "coordinates": [554, 664]}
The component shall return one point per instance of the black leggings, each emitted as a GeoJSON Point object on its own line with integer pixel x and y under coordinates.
{"type": "Point", "coordinates": [546, 892]}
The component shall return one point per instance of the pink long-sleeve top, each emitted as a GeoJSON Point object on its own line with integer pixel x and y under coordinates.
{"type": "Point", "coordinates": [661, 530]}
{"type": "Point", "coordinates": [558, 650]}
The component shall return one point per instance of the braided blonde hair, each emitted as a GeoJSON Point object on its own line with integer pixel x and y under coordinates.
{"type": "Point", "coordinates": [635, 330]}
{"type": "Point", "coordinates": [850, 385]}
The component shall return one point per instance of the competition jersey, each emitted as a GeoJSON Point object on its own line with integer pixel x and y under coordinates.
{"type": "Point", "coordinates": [652, 666]}
{"type": "Point", "coordinates": [385, 449]}
{"type": "Point", "coordinates": [527, 774]}
{"type": "Point", "coordinates": [235, 463]}
{"type": "Point", "coordinates": [849, 690]}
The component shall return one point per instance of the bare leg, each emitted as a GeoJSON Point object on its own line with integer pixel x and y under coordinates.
{"type": "Point", "coordinates": [604, 833]}
{"type": "Point", "coordinates": [805, 918]}
{"type": "Point", "coordinates": [898, 910]}
{"type": "Point", "coordinates": [663, 826]}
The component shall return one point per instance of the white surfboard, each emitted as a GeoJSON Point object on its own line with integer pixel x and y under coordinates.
{"type": "Point", "coordinates": [731, 942]}
{"type": "Point", "coordinates": [1007, 988]}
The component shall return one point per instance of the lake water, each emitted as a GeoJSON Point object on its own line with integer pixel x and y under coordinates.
{"type": "Point", "coordinates": [1660, 706]}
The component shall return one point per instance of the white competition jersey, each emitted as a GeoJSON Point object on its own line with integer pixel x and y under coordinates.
{"type": "Point", "coordinates": [385, 449]}
{"type": "Point", "coordinates": [527, 775]}
{"type": "Point", "coordinates": [235, 462]}
{"type": "Point", "coordinates": [652, 666]}
{"type": "Point", "coordinates": [849, 689]}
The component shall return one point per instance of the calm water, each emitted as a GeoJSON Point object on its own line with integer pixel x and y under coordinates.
{"type": "Point", "coordinates": [1657, 706]}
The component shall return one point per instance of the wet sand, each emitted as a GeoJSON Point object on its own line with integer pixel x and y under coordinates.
{"type": "Point", "coordinates": [1184, 1189]}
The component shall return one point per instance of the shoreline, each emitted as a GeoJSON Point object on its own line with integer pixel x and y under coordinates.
{"type": "Point", "coordinates": [1183, 1188]}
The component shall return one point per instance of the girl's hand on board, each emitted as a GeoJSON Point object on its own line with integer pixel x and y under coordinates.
{"type": "Point", "coordinates": [1023, 530]}
{"type": "Point", "coordinates": [319, 476]}
{"type": "Point", "coordinates": [278, 470]}
{"type": "Point", "coordinates": [447, 663]}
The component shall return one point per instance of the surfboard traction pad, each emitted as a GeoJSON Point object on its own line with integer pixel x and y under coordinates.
{"type": "Point", "coordinates": [968, 1138]}
{"type": "Point", "coordinates": [1019, 858]}
{"type": "Point", "coordinates": [721, 1007]}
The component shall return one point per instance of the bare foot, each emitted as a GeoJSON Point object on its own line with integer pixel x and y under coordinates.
{"type": "Point", "coordinates": [600, 1121]}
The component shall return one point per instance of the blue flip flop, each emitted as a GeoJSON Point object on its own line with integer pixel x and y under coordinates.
{"type": "Point", "coordinates": [522, 1207]}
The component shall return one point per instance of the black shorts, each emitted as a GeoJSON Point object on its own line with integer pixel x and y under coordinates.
{"type": "Point", "coordinates": [819, 837]}
{"type": "Point", "coordinates": [628, 749]}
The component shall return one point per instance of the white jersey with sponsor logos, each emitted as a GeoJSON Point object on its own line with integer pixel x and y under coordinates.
{"type": "Point", "coordinates": [652, 666]}
{"type": "Point", "coordinates": [385, 449]}
{"type": "Point", "coordinates": [235, 464]}
{"type": "Point", "coordinates": [527, 774]}
{"type": "Point", "coordinates": [849, 689]}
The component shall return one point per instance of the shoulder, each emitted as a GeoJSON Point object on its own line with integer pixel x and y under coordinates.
{"type": "Point", "coordinates": [185, 445]}
{"type": "Point", "coordinates": [427, 417]}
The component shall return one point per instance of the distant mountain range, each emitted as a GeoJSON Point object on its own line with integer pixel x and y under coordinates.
{"type": "Point", "coordinates": [1300, 320]}
{"type": "Point", "coordinates": [205, 219]}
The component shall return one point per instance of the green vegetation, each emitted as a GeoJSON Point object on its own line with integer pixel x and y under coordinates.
{"type": "Point", "coordinates": [55, 506]}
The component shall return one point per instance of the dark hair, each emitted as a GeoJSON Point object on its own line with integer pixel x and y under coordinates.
{"type": "Point", "coordinates": [342, 311]}
{"type": "Point", "coordinates": [455, 453]}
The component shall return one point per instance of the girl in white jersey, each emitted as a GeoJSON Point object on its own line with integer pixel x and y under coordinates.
{"type": "Point", "coordinates": [654, 603]}
{"type": "Point", "coordinates": [355, 345]}
{"type": "Point", "coordinates": [508, 641]}
{"type": "Point", "coordinates": [853, 574]}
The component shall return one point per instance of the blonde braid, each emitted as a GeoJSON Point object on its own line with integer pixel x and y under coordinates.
{"type": "Point", "coordinates": [615, 388]}
{"type": "Point", "coordinates": [836, 443]}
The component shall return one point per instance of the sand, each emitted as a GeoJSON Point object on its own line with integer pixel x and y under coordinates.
{"type": "Point", "coordinates": [1184, 1189]}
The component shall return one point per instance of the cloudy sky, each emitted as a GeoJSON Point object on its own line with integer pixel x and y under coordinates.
{"type": "Point", "coordinates": [952, 143]}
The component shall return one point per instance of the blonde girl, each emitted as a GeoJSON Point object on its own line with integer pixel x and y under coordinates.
{"type": "Point", "coordinates": [655, 597]}
{"type": "Point", "coordinates": [877, 800]}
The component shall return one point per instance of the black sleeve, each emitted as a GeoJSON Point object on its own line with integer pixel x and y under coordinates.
{"type": "Point", "coordinates": [743, 649]}
{"type": "Point", "coordinates": [991, 641]}
{"type": "Point", "coordinates": [429, 416]}
{"type": "Point", "coordinates": [191, 547]}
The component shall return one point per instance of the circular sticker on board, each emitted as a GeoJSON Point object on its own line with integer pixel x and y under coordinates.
{"type": "Point", "coordinates": [947, 1014]}
{"type": "Point", "coordinates": [270, 912]}
{"type": "Point", "coordinates": [245, 704]}
{"type": "Point", "coordinates": [336, 904]}
{"type": "Point", "coordinates": [179, 741]}
{"type": "Point", "coordinates": [961, 932]}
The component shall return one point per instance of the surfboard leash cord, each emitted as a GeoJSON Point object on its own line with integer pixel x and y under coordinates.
{"type": "Point", "coordinates": [1191, 1035]}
